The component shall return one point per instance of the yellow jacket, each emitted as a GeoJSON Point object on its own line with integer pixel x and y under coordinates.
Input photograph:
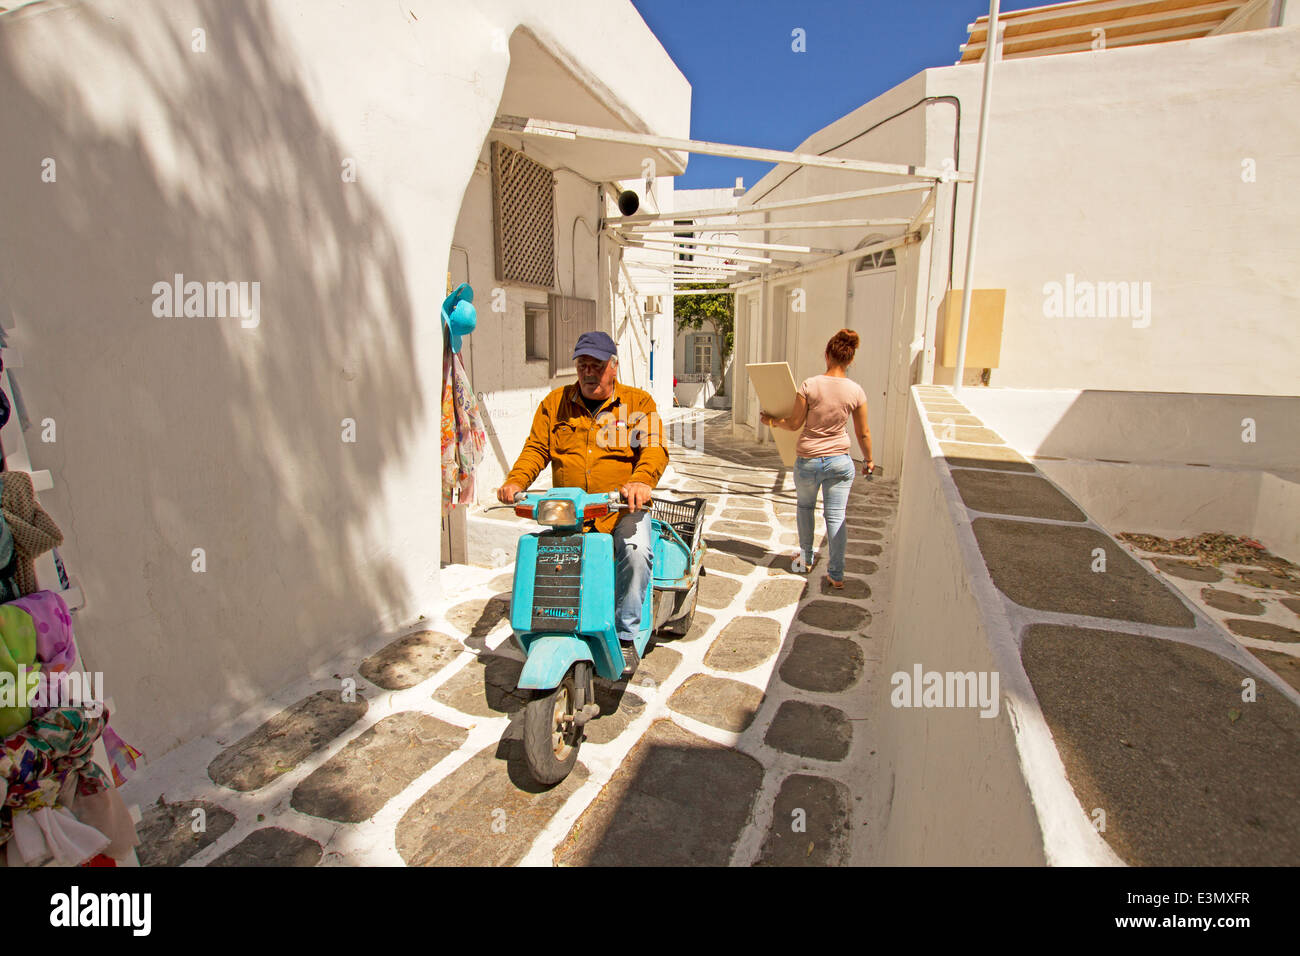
{"type": "Point", "coordinates": [622, 442]}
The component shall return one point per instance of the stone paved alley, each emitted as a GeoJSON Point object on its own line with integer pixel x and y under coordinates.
{"type": "Point", "coordinates": [743, 742]}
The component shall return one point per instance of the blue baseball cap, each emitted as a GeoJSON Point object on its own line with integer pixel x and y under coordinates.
{"type": "Point", "coordinates": [458, 314]}
{"type": "Point", "coordinates": [596, 344]}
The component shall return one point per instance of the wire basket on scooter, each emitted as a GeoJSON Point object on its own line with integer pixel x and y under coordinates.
{"type": "Point", "coordinates": [686, 517]}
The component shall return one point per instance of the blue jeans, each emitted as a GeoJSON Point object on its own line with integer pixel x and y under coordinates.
{"type": "Point", "coordinates": [833, 475]}
{"type": "Point", "coordinates": [634, 564]}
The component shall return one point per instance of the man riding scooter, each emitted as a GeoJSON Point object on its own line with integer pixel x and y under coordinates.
{"type": "Point", "coordinates": [601, 435]}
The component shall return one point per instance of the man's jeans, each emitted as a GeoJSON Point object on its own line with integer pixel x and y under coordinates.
{"type": "Point", "coordinates": [833, 475]}
{"type": "Point", "coordinates": [634, 557]}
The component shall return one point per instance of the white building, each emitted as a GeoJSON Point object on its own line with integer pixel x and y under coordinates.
{"type": "Point", "coordinates": [243, 500]}
{"type": "Point", "coordinates": [1147, 180]}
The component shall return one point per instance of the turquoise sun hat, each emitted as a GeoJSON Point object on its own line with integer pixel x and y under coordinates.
{"type": "Point", "coordinates": [458, 314]}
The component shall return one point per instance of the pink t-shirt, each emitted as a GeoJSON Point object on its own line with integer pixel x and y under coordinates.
{"type": "Point", "coordinates": [831, 401]}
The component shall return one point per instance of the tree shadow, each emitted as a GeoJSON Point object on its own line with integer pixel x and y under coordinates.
{"type": "Point", "coordinates": [184, 433]}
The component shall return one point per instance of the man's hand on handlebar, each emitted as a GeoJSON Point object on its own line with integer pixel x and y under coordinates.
{"type": "Point", "coordinates": [636, 494]}
{"type": "Point", "coordinates": [506, 493]}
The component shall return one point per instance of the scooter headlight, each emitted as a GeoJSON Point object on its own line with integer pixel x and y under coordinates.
{"type": "Point", "coordinates": [557, 512]}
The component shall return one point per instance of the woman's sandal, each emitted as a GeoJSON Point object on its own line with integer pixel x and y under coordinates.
{"type": "Point", "coordinates": [838, 585]}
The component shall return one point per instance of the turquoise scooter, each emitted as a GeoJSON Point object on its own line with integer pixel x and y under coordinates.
{"type": "Point", "coordinates": [562, 611]}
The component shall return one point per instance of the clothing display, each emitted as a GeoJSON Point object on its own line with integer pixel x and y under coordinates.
{"type": "Point", "coordinates": [18, 662]}
{"type": "Point", "coordinates": [58, 804]}
{"type": "Point", "coordinates": [56, 653]}
{"type": "Point", "coordinates": [463, 435]}
{"type": "Point", "coordinates": [46, 834]}
{"type": "Point", "coordinates": [34, 531]}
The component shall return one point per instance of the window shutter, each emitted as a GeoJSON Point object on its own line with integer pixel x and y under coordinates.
{"type": "Point", "coordinates": [570, 317]}
{"type": "Point", "coordinates": [523, 199]}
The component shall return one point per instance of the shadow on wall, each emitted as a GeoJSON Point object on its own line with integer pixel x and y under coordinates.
{"type": "Point", "coordinates": [183, 433]}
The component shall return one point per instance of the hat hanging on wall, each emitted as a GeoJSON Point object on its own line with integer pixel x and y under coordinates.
{"type": "Point", "coordinates": [458, 314]}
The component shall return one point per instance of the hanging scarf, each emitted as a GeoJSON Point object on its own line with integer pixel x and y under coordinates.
{"type": "Point", "coordinates": [463, 435]}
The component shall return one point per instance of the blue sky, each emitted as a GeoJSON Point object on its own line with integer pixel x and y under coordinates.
{"type": "Point", "coordinates": [750, 88]}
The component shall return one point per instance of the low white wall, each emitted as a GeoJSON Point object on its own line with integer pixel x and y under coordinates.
{"type": "Point", "coordinates": [1178, 463]}
{"type": "Point", "coordinates": [1178, 428]}
{"type": "Point", "coordinates": [958, 792]}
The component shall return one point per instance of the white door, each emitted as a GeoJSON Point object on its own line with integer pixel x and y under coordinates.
{"type": "Point", "coordinates": [871, 315]}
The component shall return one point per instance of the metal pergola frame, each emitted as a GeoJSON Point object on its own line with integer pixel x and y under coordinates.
{"type": "Point", "coordinates": [635, 230]}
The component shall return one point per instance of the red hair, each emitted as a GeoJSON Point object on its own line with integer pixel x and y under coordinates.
{"type": "Point", "coordinates": [842, 346]}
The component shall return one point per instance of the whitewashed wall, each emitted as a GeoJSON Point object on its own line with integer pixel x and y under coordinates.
{"type": "Point", "coordinates": [177, 434]}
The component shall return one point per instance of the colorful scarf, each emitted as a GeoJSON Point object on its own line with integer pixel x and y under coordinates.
{"type": "Point", "coordinates": [463, 435]}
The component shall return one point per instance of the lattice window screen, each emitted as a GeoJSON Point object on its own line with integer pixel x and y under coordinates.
{"type": "Point", "coordinates": [570, 317]}
{"type": "Point", "coordinates": [523, 196]}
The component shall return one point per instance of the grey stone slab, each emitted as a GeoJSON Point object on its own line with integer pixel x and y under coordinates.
{"type": "Point", "coordinates": [823, 664]}
{"type": "Point", "coordinates": [272, 846]}
{"type": "Point", "coordinates": [487, 813]}
{"type": "Point", "coordinates": [743, 529]}
{"type": "Point", "coordinates": [810, 730]}
{"type": "Point", "coordinates": [744, 550]}
{"type": "Point", "coordinates": [979, 436]}
{"type": "Point", "coordinates": [853, 589]}
{"type": "Point", "coordinates": [1008, 493]}
{"type": "Point", "coordinates": [717, 592]}
{"type": "Point", "coordinates": [168, 835]}
{"type": "Point", "coordinates": [1270, 579]}
{"type": "Point", "coordinates": [618, 708]}
{"type": "Point", "coordinates": [480, 617]}
{"type": "Point", "coordinates": [721, 561]}
{"type": "Point", "coordinates": [1284, 666]}
{"type": "Point", "coordinates": [963, 455]}
{"type": "Point", "coordinates": [656, 667]}
{"type": "Point", "coordinates": [811, 823]}
{"type": "Point", "coordinates": [285, 740]}
{"type": "Point", "coordinates": [699, 624]}
{"type": "Point", "coordinates": [718, 701]}
{"type": "Point", "coordinates": [857, 535]}
{"type": "Point", "coordinates": [1231, 602]}
{"type": "Point", "coordinates": [774, 595]}
{"type": "Point", "coordinates": [942, 417]}
{"type": "Point", "coordinates": [1187, 570]}
{"type": "Point", "coordinates": [1050, 567]}
{"type": "Point", "coordinates": [744, 644]}
{"type": "Point", "coordinates": [833, 616]}
{"type": "Point", "coordinates": [1156, 734]}
{"type": "Point", "coordinates": [739, 514]}
{"type": "Point", "coordinates": [1262, 630]}
{"type": "Point", "coordinates": [409, 660]}
{"type": "Point", "coordinates": [677, 800]}
{"type": "Point", "coordinates": [355, 783]}
{"type": "Point", "coordinates": [865, 547]}
{"type": "Point", "coordinates": [1291, 604]}
{"type": "Point", "coordinates": [486, 687]}
{"type": "Point", "coordinates": [860, 566]}
{"type": "Point", "coordinates": [503, 582]}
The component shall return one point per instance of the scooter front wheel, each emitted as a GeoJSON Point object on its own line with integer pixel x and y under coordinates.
{"type": "Point", "coordinates": [552, 734]}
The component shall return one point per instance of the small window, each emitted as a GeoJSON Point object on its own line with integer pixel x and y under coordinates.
{"type": "Point", "coordinates": [877, 260]}
{"type": "Point", "coordinates": [537, 333]}
{"type": "Point", "coordinates": [684, 256]}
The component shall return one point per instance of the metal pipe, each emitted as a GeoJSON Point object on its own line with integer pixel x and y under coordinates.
{"type": "Point", "coordinates": [976, 195]}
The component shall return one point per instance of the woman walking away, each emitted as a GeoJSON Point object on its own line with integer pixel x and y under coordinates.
{"type": "Point", "coordinates": [823, 407]}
